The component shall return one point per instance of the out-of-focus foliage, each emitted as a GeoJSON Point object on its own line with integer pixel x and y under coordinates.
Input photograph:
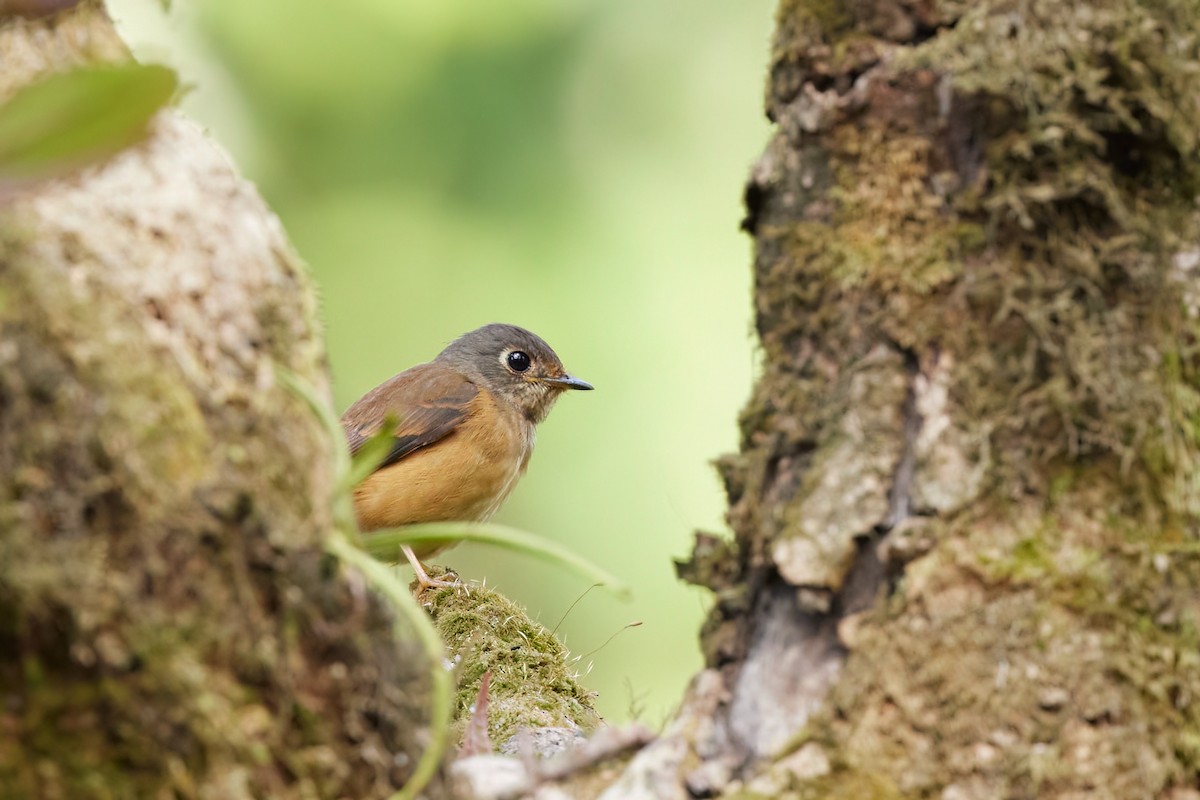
{"type": "Point", "coordinates": [71, 118]}
{"type": "Point", "coordinates": [385, 545]}
{"type": "Point", "coordinates": [572, 166]}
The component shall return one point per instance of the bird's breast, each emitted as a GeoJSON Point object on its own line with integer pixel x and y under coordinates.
{"type": "Point", "coordinates": [465, 476]}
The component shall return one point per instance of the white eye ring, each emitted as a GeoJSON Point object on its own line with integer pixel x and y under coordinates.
{"type": "Point", "coordinates": [517, 360]}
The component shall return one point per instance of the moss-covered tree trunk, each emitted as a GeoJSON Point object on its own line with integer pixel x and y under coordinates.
{"type": "Point", "coordinates": [967, 501]}
{"type": "Point", "coordinates": [170, 622]}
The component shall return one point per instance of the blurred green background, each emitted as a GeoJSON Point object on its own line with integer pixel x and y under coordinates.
{"type": "Point", "coordinates": [571, 166]}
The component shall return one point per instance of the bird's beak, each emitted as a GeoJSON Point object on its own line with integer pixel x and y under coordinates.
{"type": "Point", "coordinates": [567, 382]}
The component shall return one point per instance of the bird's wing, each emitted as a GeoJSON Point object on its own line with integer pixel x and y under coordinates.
{"type": "Point", "coordinates": [426, 402]}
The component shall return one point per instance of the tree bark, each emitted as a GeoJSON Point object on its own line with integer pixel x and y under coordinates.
{"type": "Point", "coordinates": [170, 622]}
{"type": "Point", "coordinates": [965, 511]}
{"type": "Point", "coordinates": [966, 559]}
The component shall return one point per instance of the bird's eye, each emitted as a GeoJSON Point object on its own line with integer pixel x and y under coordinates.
{"type": "Point", "coordinates": [518, 361]}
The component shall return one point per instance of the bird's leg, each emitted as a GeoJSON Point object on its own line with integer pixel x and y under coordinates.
{"type": "Point", "coordinates": [423, 579]}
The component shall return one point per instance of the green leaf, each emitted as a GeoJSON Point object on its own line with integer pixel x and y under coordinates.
{"type": "Point", "coordinates": [75, 118]}
{"type": "Point", "coordinates": [441, 708]}
{"type": "Point", "coordinates": [385, 545]}
{"type": "Point", "coordinates": [342, 502]}
{"type": "Point", "coordinates": [340, 544]}
{"type": "Point", "coordinates": [371, 454]}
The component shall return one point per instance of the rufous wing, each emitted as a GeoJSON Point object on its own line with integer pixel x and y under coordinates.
{"type": "Point", "coordinates": [427, 403]}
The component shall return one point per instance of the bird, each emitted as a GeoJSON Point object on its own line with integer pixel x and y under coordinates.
{"type": "Point", "coordinates": [464, 428]}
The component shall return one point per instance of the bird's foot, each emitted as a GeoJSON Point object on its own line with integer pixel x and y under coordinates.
{"type": "Point", "coordinates": [424, 582]}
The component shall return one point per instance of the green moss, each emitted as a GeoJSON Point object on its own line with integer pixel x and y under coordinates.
{"type": "Point", "coordinates": [892, 233]}
{"type": "Point", "coordinates": [851, 785]}
{"type": "Point", "coordinates": [1070, 197]}
{"type": "Point", "coordinates": [830, 17]}
{"type": "Point", "coordinates": [533, 683]}
{"type": "Point", "coordinates": [1029, 561]}
{"type": "Point", "coordinates": [1061, 484]}
{"type": "Point", "coordinates": [1090, 195]}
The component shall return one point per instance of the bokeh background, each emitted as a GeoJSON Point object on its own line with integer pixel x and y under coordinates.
{"type": "Point", "coordinates": [572, 166]}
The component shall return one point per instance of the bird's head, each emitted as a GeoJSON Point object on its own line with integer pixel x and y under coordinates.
{"type": "Point", "coordinates": [515, 365]}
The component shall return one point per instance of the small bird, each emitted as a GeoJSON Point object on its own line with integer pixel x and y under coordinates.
{"type": "Point", "coordinates": [465, 428]}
